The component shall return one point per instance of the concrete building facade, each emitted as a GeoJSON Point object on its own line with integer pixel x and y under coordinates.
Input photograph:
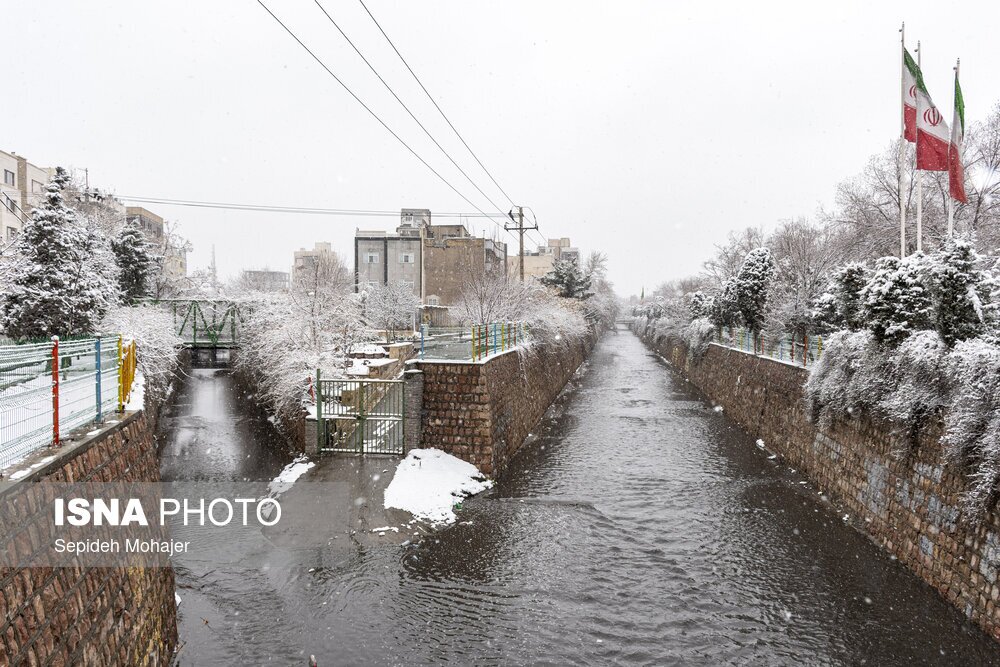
{"type": "Point", "coordinates": [266, 280]}
{"type": "Point", "coordinates": [540, 261]}
{"type": "Point", "coordinates": [435, 260]}
{"type": "Point", "coordinates": [152, 226]}
{"type": "Point", "coordinates": [21, 188]}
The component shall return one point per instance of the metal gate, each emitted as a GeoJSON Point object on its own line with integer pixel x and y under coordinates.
{"type": "Point", "coordinates": [360, 416]}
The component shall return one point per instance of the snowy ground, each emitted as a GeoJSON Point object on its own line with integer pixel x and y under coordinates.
{"type": "Point", "coordinates": [428, 483]}
{"type": "Point", "coordinates": [287, 477]}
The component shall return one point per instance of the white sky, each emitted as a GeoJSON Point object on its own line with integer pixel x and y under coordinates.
{"type": "Point", "coordinates": [647, 130]}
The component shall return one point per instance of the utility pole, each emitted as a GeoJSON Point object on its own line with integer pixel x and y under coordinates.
{"type": "Point", "coordinates": [520, 229]}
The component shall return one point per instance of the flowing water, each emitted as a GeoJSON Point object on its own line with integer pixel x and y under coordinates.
{"type": "Point", "coordinates": [640, 527]}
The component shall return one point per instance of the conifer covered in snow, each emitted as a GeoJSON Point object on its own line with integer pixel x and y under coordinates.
{"type": "Point", "coordinates": [841, 305]}
{"type": "Point", "coordinates": [53, 289]}
{"type": "Point", "coordinates": [725, 311]}
{"type": "Point", "coordinates": [896, 301]}
{"type": "Point", "coordinates": [135, 261]}
{"type": "Point", "coordinates": [752, 285]}
{"type": "Point", "coordinates": [959, 288]}
{"type": "Point", "coordinates": [569, 280]}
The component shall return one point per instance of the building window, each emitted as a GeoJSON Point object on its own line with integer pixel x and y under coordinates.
{"type": "Point", "coordinates": [371, 258]}
{"type": "Point", "coordinates": [36, 186]}
{"type": "Point", "coordinates": [8, 177]}
{"type": "Point", "coordinates": [8, 203]}
{"type": "Point", "coordinates": [11, 233]}
{"type": "Point", "coordinates": [406, 258]}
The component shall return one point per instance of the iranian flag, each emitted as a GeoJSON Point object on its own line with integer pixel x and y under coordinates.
{"type": "Point", "coordinates": [910, 71]}
{"type": "Point", "coordinates": [933, 137]}
{"type": "Point", "coordinates": [956, 172]}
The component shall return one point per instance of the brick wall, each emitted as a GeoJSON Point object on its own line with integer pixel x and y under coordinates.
{"type": "Point", "coordinates": [482, 412]}
{"type": "Point", "coordinates": [86, 615]}
{"type": "Point", "coordinates": [901, 495]}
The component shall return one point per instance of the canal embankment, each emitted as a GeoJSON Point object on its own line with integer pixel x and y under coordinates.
{"type": "Point", "coordinates": [77, 612]}
{"type": "Point", "coordinates": [900, 494]}
{"type": "Point", "coordinates": [484, 411]}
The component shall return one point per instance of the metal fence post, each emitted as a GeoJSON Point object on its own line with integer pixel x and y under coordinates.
{"type": "Point", "coordinates": [97, 374]}
{"type": "Point", "coordinates": [319, 412]}
{"type": "Point", "coordinates": [121, 377]}
{"type": "Point", "coordinates": [55, 390]}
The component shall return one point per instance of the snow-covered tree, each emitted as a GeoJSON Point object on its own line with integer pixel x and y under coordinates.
{"type": "Point", "coordinates": [569, 280]}
{"type": "Point", "coordinates": [51, 290]}
{"type": "Point", "coordinates": [752, 284]}
{"type": "Point", "coordinates": [136, 262]}
{"type": "Point", "coordinates": [959, 289]}
{"type": "Point", "coordinates": [699, 305]}
{"type": "Point", "coordinates": [492, 296]}
{"type": "Point", "coordinates": [725, 307]}
{"type": "Point", "coordinates": [841, 305]}
{"type": "Point", "coordinates": [896, 301]}
{"type": "Point", "coordinates": [390, 307]}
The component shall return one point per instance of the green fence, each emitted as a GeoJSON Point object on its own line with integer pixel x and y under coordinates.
{"type": "Point", "coordinates": [801, 349]}
{"type": "Point", "coordinates": [360, 416]}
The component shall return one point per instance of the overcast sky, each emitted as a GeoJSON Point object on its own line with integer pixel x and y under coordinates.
{"type": "Point", "coordinates": [647, 130]}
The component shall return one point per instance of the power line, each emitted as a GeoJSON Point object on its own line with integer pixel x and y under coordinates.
{"type": "Point", "coordinates": [368, 109]}
{"type": "Point", "coordinates": [431, 98]}
{"type": "Point", "coordinates": [285, 209]}
{"type": "Point", "coordinates": [403, 104]}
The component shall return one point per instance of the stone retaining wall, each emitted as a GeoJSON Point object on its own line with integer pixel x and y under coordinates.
{"type": "Point", "coordinates": [902, 495]}
{"type": "Point", "coordinates": [482, 412]}
{"type": "Point", "coordinates": [85, 615]}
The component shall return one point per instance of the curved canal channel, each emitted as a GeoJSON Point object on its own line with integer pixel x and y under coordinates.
{"type": "Point", "coordinates": [641, 527]}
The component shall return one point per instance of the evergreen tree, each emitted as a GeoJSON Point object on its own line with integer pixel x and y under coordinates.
{"type": "Point", "coordinates": [724, 310]}
{"type": "Point", "coordinates": [699, 305]}
{"type": "Point", "coordinates": [49, 292]}
{"type": "Point", "coordinates": [841, 305]}
{"type": "Point", "coordinates": [568, 280]}
{"type": "Point", "coordinates": [896, 302]}
{"type": "Point", "coordinates": [959, 289]}
{"type": "Point", "coordinates": [135, 261]}
{"type": "Point", "coordinates": [752, 286]}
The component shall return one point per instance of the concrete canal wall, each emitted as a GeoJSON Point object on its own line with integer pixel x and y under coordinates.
{"type": "Point", "coordinates": [904, 497]}
{"type": "Point", "coordinates": [84, 615]}
{"type": "Point", "coordinates": [482, 412]}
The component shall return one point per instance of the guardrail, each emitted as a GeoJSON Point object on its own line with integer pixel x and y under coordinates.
{"type": "Point", "coordinates": [802, 350]}
{"type": "Point", "coordinates": [48, 389]}
{"type": "Point", "coordinates": [488, 339]}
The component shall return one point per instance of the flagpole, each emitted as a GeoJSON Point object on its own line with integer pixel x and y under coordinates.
{"type": "Point", "coordinates": [951, 200]}
{"type": "Point", "coordinates": [916, 172]}
{"type": "Point", "coordinates": [902, 139]}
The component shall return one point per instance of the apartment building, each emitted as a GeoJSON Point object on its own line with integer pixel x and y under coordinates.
{"type": "Point", "coordinates": [540, 261]}
{"type": "Point", "coordinates": [265, 280]}
{"type": "Point", "coordinates": [435, 260]}
{"type": "Point", "coordinates": [152, 226]}
{"type": "Point", "coordinates": [22, 187]}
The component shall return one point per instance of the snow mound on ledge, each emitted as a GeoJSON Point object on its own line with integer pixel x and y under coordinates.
{"type": "Point", "coordinates": [428, 483]}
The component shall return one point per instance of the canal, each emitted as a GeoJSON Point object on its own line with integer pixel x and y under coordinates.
{"type": "Point", "coordinates": [640, 527]}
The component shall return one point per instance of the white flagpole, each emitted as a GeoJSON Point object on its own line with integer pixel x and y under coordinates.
{"type": "Point", "coordinates": [951, 200]}
{"type": "Point", "coordinates": [916, 173]}
{"type": "Point", "coordinates": [902, 141]}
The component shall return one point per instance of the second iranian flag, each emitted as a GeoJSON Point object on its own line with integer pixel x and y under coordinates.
{"type": "Point", "coordinates": [933, 137]}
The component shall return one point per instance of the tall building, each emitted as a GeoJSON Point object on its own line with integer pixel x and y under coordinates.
{"type": "Point", "coordinates": [152, 226]}
{"type": "Point", "coordinates": [305, 263]}
{"type": "Point", "coordinates": [434, 260]}
{"type": "Point", "coordinates": [540, 262]}
{"type": "Point", "coordinates": [22, 187]}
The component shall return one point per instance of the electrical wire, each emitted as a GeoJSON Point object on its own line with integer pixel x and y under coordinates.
{"type": "Point", "coordinates": [403, 104]}
{"type": "Point", "coordinates": [284, 209]}
{"type": "Point", "coordinates": [369, 110]}
{"type": "Point", "coordinates": [434, 102]}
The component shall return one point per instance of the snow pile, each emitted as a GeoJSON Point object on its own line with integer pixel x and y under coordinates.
{"type": "Point", "coordinates": [288, 476]}
{"type": "Point", "coordinates": [137, 398]}
{"type": "Point", "coordinates": [428, 483]}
